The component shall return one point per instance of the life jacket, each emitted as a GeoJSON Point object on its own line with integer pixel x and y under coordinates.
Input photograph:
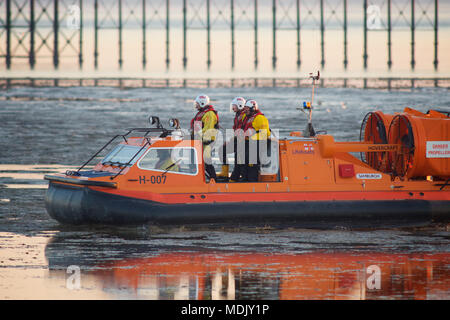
{"type": "Point", "coordinates": [201, 113]}
{"type": "Point", "coordinates": [239, 119]}
{"type": "Point", "coordinates": [248, 122]}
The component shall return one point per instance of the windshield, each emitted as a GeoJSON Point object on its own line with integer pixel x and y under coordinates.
{"type": "Point", "coordinates": [174, 160]}
{"type": "Point", "coordinates": [122, 154]}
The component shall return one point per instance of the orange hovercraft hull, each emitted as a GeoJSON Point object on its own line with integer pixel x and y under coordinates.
{"type": "Point", "coordinates": [319, 184]}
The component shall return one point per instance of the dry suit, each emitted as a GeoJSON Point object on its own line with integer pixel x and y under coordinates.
{"type": "Point", "coordinates": [256, 128]}
{"type": "Point", "coordinates": [209, 120]}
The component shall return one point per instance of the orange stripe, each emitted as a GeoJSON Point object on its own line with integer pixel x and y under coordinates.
{"type": "Point", "coordinates": [279, 196]}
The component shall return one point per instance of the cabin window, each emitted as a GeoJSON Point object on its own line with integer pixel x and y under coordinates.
{"type": "Point", "coordinates": [122, 154]}
{"type": "Point", "coordinates": [173, 160]}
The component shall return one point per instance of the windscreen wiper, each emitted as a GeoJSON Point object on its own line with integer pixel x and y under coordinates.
{"type": "Point", "coordinates": [122, 164]}
{"type": "Point", "coordinates": [129, 162]}
{"type": "Point", "coordinates": [172, 165]}
{"type": "Point", "coordinates": [115, 163]}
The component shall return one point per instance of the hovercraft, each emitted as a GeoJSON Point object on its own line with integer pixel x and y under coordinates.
{"type": "Point", "coordinates": [402, 179]}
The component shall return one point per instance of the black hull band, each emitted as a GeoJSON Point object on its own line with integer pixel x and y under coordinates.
{"type": "Point", "coordinates": [82, 205]}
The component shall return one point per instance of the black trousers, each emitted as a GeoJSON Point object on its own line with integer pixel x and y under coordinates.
{"type": "Point", "coordinates": [251, 170]}
{"type": "Point", "coordinates": [209, 168]}
{"type": "Point", "coordinates": [239, 173]}
{"type": "Point", "coordinates": [248, 171]}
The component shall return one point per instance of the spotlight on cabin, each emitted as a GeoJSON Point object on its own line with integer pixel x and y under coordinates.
{"type": "Point", "coordinates": [154, 121]}
{"type": "Point", "coordinates": [174, 123]}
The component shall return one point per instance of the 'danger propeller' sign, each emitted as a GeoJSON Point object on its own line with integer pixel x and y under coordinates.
{"type": "Point", "coordinates": [438, 149]}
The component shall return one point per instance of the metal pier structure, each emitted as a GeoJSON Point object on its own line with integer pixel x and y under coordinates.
{"type": "Point", "coordinates": [34, 30]}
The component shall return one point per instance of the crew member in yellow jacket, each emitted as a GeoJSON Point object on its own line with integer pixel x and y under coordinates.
{"type": "Point", "coordinates": [205, 124]}
{"type": "Point", "coordinates": [256, 128]}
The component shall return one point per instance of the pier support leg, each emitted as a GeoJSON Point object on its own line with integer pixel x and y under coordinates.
{"type": "Point", "coordinates": [298, 35]}
{"type": "Point", "coordinates": [365, 35]}
{"type": "Point", "coordinates": [345, 35]}
{"type": "Point", "coordinates": [389, 30]}
{"type": "Point", "coordinates": [120, 35]}
{"type": "Point", "coordinates": [232, 33]}
{"type": "Point", "coordinates": [31, 54]}
{"type": "Point", "coordinates": [80, 36]}
{"type": "Point", "coordinates": [413, 35]}
{"type": "Point", "coordinates": [274, 34]}
{"type": "Point", "coordinates": [208, 34]}
{"type": "Point", "coordinates": [167, 34]}
{"type": "Point", "coordinates": [96, 34]}
{"type": "Point", "coordinates": [184, 34]}
{"type": "Point", "coordinates": [436, 26]}
{"type": "Point", "coordinates": [55, 34]}
{"type": "Point", "coordinates": [255, 28]}
{"type": "Point", "coordinates": [8, 34]}
{"type": "Point", "coordinates": [322, 34]}
{"type": "Point", "coordinates": [144, 35]}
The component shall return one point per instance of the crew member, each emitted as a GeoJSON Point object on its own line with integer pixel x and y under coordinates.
{"type": "Point", "coordinates": [256, 128]}
{"type": "Point", "coordinates": [237, 106]}
{"type": "Point", "coordinates": [205, 124]}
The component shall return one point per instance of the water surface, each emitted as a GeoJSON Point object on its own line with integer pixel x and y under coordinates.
{"type": "Point", "coordinates": [61, 129]}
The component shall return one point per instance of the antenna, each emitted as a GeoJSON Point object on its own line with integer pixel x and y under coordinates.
{"type": "Point", "coordinates": [309, 131]}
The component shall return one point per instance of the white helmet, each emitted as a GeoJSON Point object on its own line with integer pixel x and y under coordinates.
{"type": "Point", "coordinates": [239, 102]}
{"type": "Point", "coordinates": [252, 104]}
{"type": "Point", "coordinates": [201, 100]}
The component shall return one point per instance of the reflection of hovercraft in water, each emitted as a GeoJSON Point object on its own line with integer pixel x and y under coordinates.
{"type": "Point", "coordinates": [403, 179]}
{"type": "Point", "coordinates": [318, 275]}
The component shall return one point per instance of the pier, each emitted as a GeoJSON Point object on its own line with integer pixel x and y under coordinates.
{"type": "Point", "coordinates": [35, 30]}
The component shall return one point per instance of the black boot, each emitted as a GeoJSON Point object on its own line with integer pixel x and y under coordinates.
{"type": "Point", "coordinates": [211, 171]}
{"type": "Point", "coordinates": [253, 173]}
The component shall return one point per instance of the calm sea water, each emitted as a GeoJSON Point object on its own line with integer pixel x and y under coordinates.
{"type": "Point", "coordinates": [47, 130]}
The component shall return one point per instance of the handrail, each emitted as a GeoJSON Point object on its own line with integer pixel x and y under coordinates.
{"type": "Point", "coordinates": [164, 131]}
{"type": "Point", "coordinates": [92, 183]}
{"type": "Point", "coordinates": [123, 168]}
{"type": "Point", "coordinates": [102, 148]}
{"type": "Point", "coordinates": [447, 112]}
